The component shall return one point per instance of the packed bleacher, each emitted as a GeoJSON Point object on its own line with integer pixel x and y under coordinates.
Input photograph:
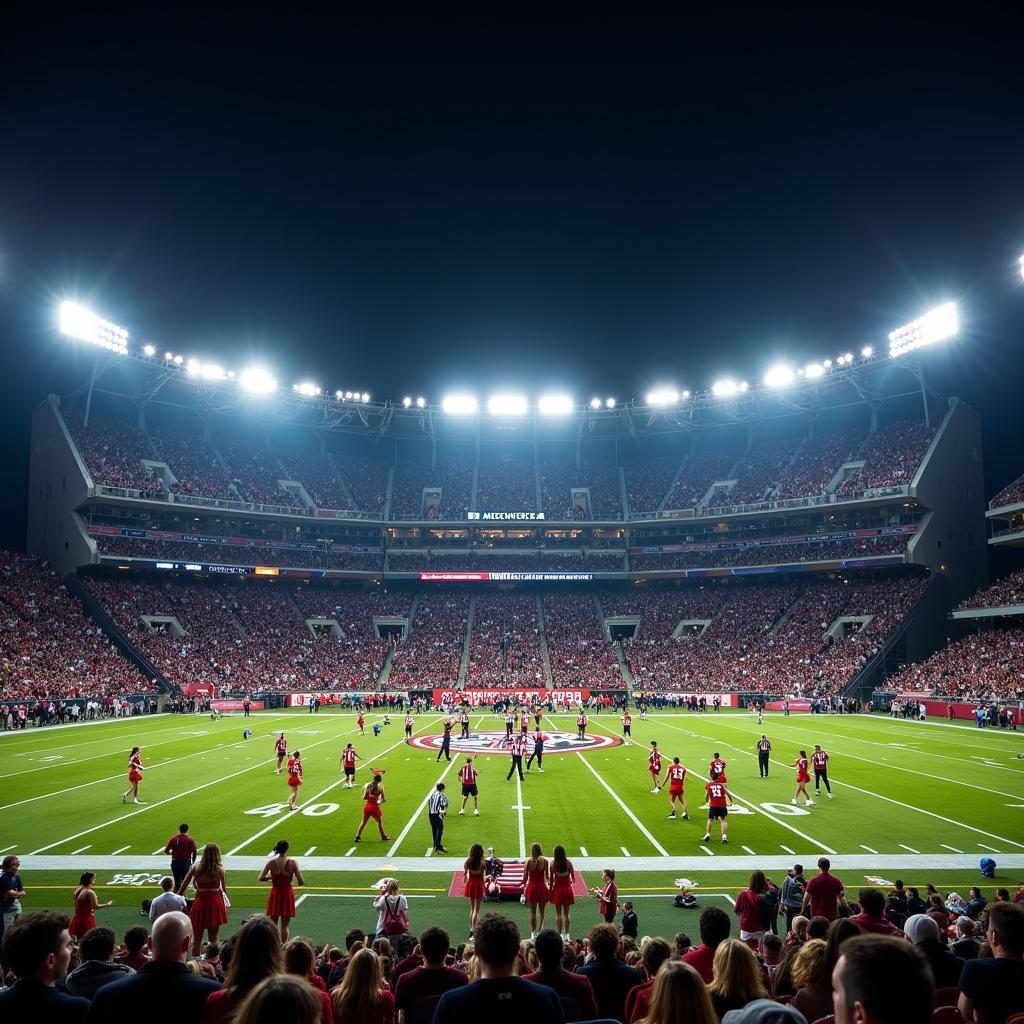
{"type": "Point", "coordinates": [316, 474]}
{"type": "Point", "coordinates": [113, 453]}
{"type": "Point", "coordinates": [452, 474]}
{"type": "Point", "coordinates": [815, 464]}
{"type": "Point", "coordinates": [506, 483]}
{"type": "Point", "coordinates": [1007, 591]}
{"type": "Point", "coordinates": [757, 471]}
{"type": "Point", "coordinates": [983, 666]}
{"type": "Point", "coordinates": [1011, 494]}
{"type": "Point", "coordinates": [891, 455]}
{"type": "Point", "coordinates": [366, 479]}
{"type": "Point", "coordinates": [599, 476]}
{"type": "Point", "coordinates": [647, 480]}
{"type": "Point", "coordinates": [439, 560]}
{"type": "Point", "coordinates": [579, 653]}
{"type": "Point", "coordinates": [430, 655]}
{"type": "Point", "coordinates": [48, 646]}
{"type": "Point", "coordinates": [504, 642]}
{"type": "Point", "coordinates": [194, 465]}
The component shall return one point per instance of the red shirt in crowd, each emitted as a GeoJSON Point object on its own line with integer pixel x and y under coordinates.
{"type": "Point", "coordinates": [824, 889]}
{"type": "Point", "coordinates": [702, 960]}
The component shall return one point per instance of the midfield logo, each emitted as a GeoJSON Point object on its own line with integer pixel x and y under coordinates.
{"type": "Point", "coordinates": [496, 742]}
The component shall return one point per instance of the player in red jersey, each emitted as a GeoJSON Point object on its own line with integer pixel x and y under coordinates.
{"type": "Point", "coordinates": [718, 797]}
{"type": "Point", "coordinates": [524, 723]}
{"type": "Point", "coordinates": [676, 777]}
{"type": "Point", "coordinates": [654, 766]}
{"type": "Point", "coordinates": [468, 776]}
{"type": "Point", "coordinates": [537, 715]}
{"type": "Point", "coordinates": [281, 749]}
{"type": "Point", "coordinates": [802, 778]}
{"type": "Point", "coordinates": [716, 768]}
{"type": "Point", "coordinates": [361, 722]}
{"type": "Point", "coordinates": [373, 797]}
{"type": "Point", "coordinates": [627, 727]}
{"type": "Point", "coordinates": [135, 770]}
{"type": "Point", "coordinates": [348, 763]}
{"type": "Point", "coordinates": [294, 778]}
{"type": "Point", "coordinates": [408, 728]}
{"type": "Point", "coordinates": [819, 762]}
{"type": "Point", "coordinates": [581, 725]}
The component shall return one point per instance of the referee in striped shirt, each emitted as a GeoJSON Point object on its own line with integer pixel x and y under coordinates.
{"type": "Point", "coordinates": [436, 807]}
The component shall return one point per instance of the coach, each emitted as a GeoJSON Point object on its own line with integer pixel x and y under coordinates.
{"type": "Point", "coordinates": [436, 807]}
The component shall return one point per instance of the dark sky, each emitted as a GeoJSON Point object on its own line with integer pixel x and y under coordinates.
{"type": "Point", "coordinates": [411, 204]}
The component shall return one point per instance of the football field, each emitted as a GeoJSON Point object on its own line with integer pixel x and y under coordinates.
{"type": "Point", "coordinates": [920, 801]}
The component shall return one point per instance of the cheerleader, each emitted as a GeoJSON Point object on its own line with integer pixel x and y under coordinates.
{"type": "Point", "coordinates": [294, 778]}
{"type": "Point", "coordinates": [474, 883]}
{"type": "Point", "coordinates": [562, 876]}
{"type": "Point", "coordinates": [803, 776]}
{"type": "Point", "coordinates": [86, 904]}
{"type": "Point", "coordinates": [373, 797]}
{"type": "Point", "coordinates": [279, 871]}
{"type": "Point", "coordinates": [535, 888]}
{"type": "Point", "coordinates": [210, 906]}
{"type": "Point", "coordinates": [134, 776]}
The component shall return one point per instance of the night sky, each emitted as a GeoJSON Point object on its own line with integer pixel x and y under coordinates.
{"type": "Point", "coordinates": [409, 205]}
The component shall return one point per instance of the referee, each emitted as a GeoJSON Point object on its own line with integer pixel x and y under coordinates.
{"type": "Point", "coordinates": [764, 750]}
{"type": "Point", "coordinates": [518, 749]}
{"type": "Point", "coordinates": [436, 807]}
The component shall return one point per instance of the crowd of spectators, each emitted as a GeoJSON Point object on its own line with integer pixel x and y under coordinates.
{"type": "Point", "coordinates": [257, 471]}
{"type": "Point", "coordinates": [891, 455]}
{"type": "Point", "coordinates": [366, 479]}
{"type": "Point", "coordinates": [770, 554]}
{"type": "Point", "coordinates": [815, 464]}
{"type": "Point", "coordinates": [316, 473]}
{"type": "Point", "coordinates": [504, 642]}
{"type": "Point", "coordinates": [49, 648]}
{"type": "Point", "coordinates": [1009, 495]}
{"type": "Point", "coordinates": [506, 483]}
{"type": "Point", "coordinates": [808, 950]}
{"type": "Point", "coordinates": [757, 471]}
{"type": "Point", "coordinates": [1007, 591]}
{"type": "Point", "coordinates": [766, 636]}
{"type": "Point", "coordinates": [599, 476]}
{"type": "Point", "coordinates": [647, 479]}
{"type": "Point", "coordinates": [451, 474]}
{"type": "Point", "coordinates": [194, 465]}
{"type": "Point", "coordinates": [239, 554]}
{"type": "Point", "coordinates": [113, 453]}
{"type": "Point", "coordinates": [440, 560]}
{"type": "Point", "coordinates": [579, 653]}
{"type": "Point", "coordinates": [983, 666]}
{"type": "Point", "coordinates": [430, 655]}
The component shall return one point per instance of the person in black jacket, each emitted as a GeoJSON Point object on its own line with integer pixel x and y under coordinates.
{"type": "Point", "coordinates": [38, 950]}
{"type": "Point", "coordinates": [924, 933]}
{"type": "Point", "coordinates": [164, 991]}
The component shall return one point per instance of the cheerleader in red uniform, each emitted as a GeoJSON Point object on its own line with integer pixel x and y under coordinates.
{"type": "Point", "coordinates": [281, 750]}
{"type": "Point", "coordinates": [86, 903]}
{"type": "Point", "coordinates": [562, 877]}
{"type": "Point", "coordinates": [210, 907]}
{"type": "Point", "coordinates": [280, 870]}
{"type": "Point", "coordinates": [294, 778]}
{"type": "Point", "coordinates": [134, 776]}
{"type": "Point", "coordinates": [535, 888]}
{"type": "Point", "coordinates": [373, 797]}
{"type": "Point", "coordinates": [474, 881]}
{"type": "Point", "coordinates": [803, 776]}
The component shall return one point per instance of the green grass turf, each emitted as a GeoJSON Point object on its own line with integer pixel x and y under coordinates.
{"type": "Point", "coordinates": [921, 801]}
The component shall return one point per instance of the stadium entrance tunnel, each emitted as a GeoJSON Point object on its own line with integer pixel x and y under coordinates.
{"type": "Point", "coordinates": [498, 743]}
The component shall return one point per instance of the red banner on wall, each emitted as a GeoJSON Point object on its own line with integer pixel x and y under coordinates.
{"type": "Point", "coordinates": [475, 697]}
{"type": "Point", "coordinates": [236, 705]}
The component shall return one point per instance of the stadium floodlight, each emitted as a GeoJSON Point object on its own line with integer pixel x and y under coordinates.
{"type": "Point", "coordinates": [555, 405]}
{"type": "Point", "coordinates": [421, 402]}
{"type": "Point", "coordinates": [867, 351]}
{"type": "Point", "coordinates": [178, 360]}
{"type": "Point", "coordinates": [307, 388]}
{"type": "Point", "coordinates": [211, 371]}
{"type": "Point", "coordinates": [192, 367]}
{"type": "Point", "coordinates": [814, 370]}
{"type": "Point", "coordinates": [78, 322]}
{"type": "Point", "coordinates": [459, 405]}
{"type": "Point", "coordinates": [724, 388]}
{"type": "Point", "coordinates": [366, 397]}
{"type": "Point", "coordinates": [149, 350]}
{"type": "Point", "coordinates": [258, 380]}
{"type": "Point", "coordinates": [936, 325]}
{"type": "Point", "coordinates": [595, 403]}
{"type": "Point", "coordinates": [662, 396]}
{"type": "Point", "coordinates": [610, 402]}
{"type": "Point", "coordinates": [168, 356]}
{"type": "Point", "coordinates": [1021, 263]}
{"type": "Point", "coordinates": [407, 401]}
{"type": "Point", "coordinates": [507, 405]}
{"type": "Point", "coordinates": [779, 377]}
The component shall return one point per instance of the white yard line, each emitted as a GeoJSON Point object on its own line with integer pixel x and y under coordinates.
{"type": "Point", "coordinates": [868, 848]}
{"type": "Point", "coordinates": [81, 849]}
{"type": "Point", "coordinates": [155, 852]}
{"type": "Point", "coordinates": [522, 824]}
{"type": "Point", "coordinates": [751, 852]}
{"type": "Point", "coordinates": [583, 851]}
{"type": "Point", "coordinates": [123, 848]}
{"type": "Point", "coordinates": [625, 852]}
{"type": "Point", "coordinates": [710, 853]}
{"type": "Point", "coordinates": [309, 852]}
{"type": "Point", "coordinates": [992, 849]}
{"type": "Point", "coordinates": [792, 853]}
{"type": "Point", "coordinates": [952, 849]}
{"type": "Point", "coordinates": [909, 849]}
{"type": "Point", "coordinates": [419, 808]}
{"type": "Point", "coordinates": [350, 851]}
{"type": "Point", "coordinates": [316, 796]}
{"type": "Point", "coordinates": [430, 852]}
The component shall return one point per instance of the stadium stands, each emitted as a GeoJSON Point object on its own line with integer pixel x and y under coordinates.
{"type": "Point", "coordinates": [367, 481]}
{"type": "Point", "coordinates": [599, 476]}
{"type": "Point", "coordinates": [316, 473]}
{"type": "Point", "coordinates": [1009, 495]}
{"type": "Point", "coordinates": [529, 561]}
{"type": "Point", "coordinates": [1007, 591]}
{"type": "Point", "coordinates": [453, 474]}
{"type": "Point", "coordinates": [890, 456]}
{"type": "Point", "coordinates": [647, 480]}
{"type": "Point", "coordinates": [506, 483]}
{"type": "Point", "coordinates": [431, 654]}
{"type": "Point", "coordinates": [113, 453]}
{"type": "Point", "coordinates": [48, 646]}
{"type": "Point", "coordinates": [194, 464]}
{"type": "Point", "coordinates": [814, 465]}
{"type": "Point", "coordinates": [579, 653]}
{"type": "Point", "coordinates": [504, 643]}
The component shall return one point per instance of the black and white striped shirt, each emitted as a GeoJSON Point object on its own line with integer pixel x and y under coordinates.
{"type": "Point", "coordinates": [438, 803]}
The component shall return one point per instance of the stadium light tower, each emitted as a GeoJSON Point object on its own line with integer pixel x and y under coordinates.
{"type": "Point", "coordinates": [779, 377]}
{"type": "Point", "coordinates": [459, 405]}
{"type": "Point", "coordinates": [306, 388]}
{"type": "Point", "coordinates": [662, 396]}
{"type": "Point", "coordinates": [507, 405]}
{"type": "Point", "coordinates": [258, 381]}
{"type": "Point", "coordinates": [1020, 263]}
{"type": "Point", "coordinates": [555, 405]}
{"type": "Point", "coordinates": [936, 325]}
{"type": "Point", "coordinates": [78, 322]}
{"type": "Point", "coordinates": [725, 388]}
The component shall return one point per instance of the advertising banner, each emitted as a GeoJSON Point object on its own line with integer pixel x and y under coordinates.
{"type": "Point", "coordinates": [236, 705]}
{"type": "Point", "coordinates": [475, 697]}
{"type": "Point", "coordinates": [507, 577]}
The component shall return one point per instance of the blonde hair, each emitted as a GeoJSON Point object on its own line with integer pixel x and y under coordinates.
{"type": "Point", "coordinates": [281, 997]}
{"type": "Point", "coordinates": [679, 996]}
{"type": "Point", "coordinates": [737, 973]}
{"type": "Point", "coordinates": [799, 926]}
{"type": "Point", "coordinates": [537, 858]}
{"type": "Point", "coordinates": [209, 865]}
{"type": "Point", "coordinates": [357, 996]}
{"type": "Point", "coordinates": [810, 968]}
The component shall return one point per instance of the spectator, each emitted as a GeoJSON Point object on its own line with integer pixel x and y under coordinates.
{"type": "Point", "coordinates": [97, 967]}
{"type": "Point", "coordinates": [994, 987]}
{"type": "Point", "coordinates": [871, 919]}
{"type": "Point", "coordinates": [392, 909]}
{"type": "Point", "coordinates": [812, 980]}
{"type": "Point", "coordinates": [838, 932]}
{"type": "Point", "coordinates": [630, 925]}
{"type": "Point", "coordinates": [881, 980]}
{"type": "Point", "coordinates": [747, 907]}
{"type": "Point", "coordinates": [610, 978]}
{"type": "Point", "coordinates": [822, 893]}
{"type": "Point", "coordinates": [299, 960]}
{"type": "Point", "coordinates": [277, 999]}
{"type": "Point", "coordinates": [771, 953]}
{"type": "Point", "coordinates": [655, 952]}
{"type": "Point", "coordinates": [967, 946]}
{"type": "Point", "coordinates": [433, 978]}
{"type": "Point", "coordinates": [817, 928]}
{"type": "Point", "coordinates": [255, 956]}
{"type": "Point", "coordinates": [363, 996]}
{"type": "Point", "coordinates": [167, 901]}
{"type": "Point", "coordinates": [498, 997]}
{"type": "Point", "coordinates": [135, 955]}
{"type": "Point", "coordinates": [714, 929]}
{"type": "Point", "coordinates": [573, 990]}
{"type": "Point", "coordinates": [946, 967]}
{"type": "Point", "coordinates": [764, 1011]}
{"type": "Point", "coordinates": [37, 949]}
{"type": "Point", "coordinates": [976, 904]}
{"type": "Point", "coordinates": [355, 938]}
{"type": "Point", "coordinates": [738, 977]}
{"type": "Point", "coordinates": [12, 892]}
{"type": "Point", "coordinates": [681, 945]}
{"type": "Point", "coordinates": [164, 991]}
{"type": "Point", "coordinates": [679, 994]}
{"type": "Point", "coordinates": [182, 848]}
